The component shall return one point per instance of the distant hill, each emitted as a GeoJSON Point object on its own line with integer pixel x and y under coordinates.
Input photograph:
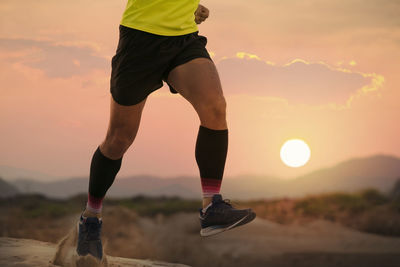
{"type": "Point", "coordinates": [379, 172]}
{"type": "Point", "coordinates": [126, 187]}
{"type": "Point", "coordinates": [10, 173]}
{"type": "Point", "coordinates": [6, 189]}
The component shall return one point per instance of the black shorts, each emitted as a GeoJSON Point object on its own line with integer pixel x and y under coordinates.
{"type": "Point", "coordinates": [143, 61]}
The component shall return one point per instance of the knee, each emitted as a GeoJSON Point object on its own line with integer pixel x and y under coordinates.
{"type": "Point", "coordinates": [216, 109]}
{"type": "Point", "coordinates": [117, 143]}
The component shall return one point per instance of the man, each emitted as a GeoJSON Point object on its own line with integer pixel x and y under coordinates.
{"type": "Point", "coordinates": [159, 42]}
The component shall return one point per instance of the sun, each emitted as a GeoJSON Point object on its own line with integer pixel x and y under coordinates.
{"type": "Point", "coordinates": [295, 153]}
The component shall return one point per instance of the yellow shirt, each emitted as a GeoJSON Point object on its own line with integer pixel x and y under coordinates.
{"type": "Point", "coordinates": [162, 17]}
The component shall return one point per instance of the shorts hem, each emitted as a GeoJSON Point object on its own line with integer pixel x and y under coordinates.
{"type": "Point", "coordinates": [135, 101]}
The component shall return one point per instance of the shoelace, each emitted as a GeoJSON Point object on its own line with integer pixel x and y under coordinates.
{"type": "Point", "coordinates": [226, 202]}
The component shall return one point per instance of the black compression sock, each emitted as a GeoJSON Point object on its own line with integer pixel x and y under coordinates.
{"type": "Point", "coordinates": [102, 173]}
{"type": "Point", "coordinates": [211, 151]}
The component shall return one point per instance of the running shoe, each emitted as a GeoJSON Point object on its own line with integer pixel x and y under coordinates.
{"type": "Point", "coordinates": [221, 216]}
{"type": "Point", "coordinates": [89, 241]}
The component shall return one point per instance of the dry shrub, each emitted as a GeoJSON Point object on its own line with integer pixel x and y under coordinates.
{"type": "Point", "coordinates": [368, 210]}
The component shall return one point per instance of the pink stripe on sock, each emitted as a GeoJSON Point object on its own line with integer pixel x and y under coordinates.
{"type": "Point", "coordinates": [94, 204]}
{"type": "Point", "coordinates": [210, 186]}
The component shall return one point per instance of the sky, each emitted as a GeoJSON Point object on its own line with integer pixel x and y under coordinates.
{"type": "Point", "coordinates": [324, 71]}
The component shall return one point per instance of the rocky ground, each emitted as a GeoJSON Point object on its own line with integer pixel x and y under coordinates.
{"type": "Point", "coordinates": [26, 252]}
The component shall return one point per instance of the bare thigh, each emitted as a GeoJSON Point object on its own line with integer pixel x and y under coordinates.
{"type": "Point", "coordinates": [199, 83]}
{"type": "Point", "coordinates": [122, 128]}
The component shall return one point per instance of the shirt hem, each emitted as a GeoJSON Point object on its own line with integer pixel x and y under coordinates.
{"type": "Point", "coordinates": [155, 31]}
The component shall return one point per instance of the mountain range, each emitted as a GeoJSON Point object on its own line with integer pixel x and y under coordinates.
{"type": "Point", "coordinates": [379, 171]}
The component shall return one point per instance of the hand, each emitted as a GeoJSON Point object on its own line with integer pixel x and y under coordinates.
{"type": "Point", "coordinates": [201, 14]}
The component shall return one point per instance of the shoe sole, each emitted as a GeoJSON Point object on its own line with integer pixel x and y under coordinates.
{"type": "Point", "coordinates": [213, 230]}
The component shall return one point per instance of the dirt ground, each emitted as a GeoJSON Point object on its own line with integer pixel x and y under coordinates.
{"type": "Point", "coordinates": [264, 243]}
{"type": "Point", "coordinates": [261, 243]}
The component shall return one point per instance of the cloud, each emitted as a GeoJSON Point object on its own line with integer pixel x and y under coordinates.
{"type": "Point", "coordinates": [54, 59]}
{"type": "Point", "coordinates": [299, 81]}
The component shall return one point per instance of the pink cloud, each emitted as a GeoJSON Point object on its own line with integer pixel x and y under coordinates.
{"type": "Point", "coordinates": [54, 59]}
{"type": "Point", "coordinates": [299, 82]}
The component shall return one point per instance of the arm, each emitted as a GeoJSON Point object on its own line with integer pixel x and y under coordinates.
{"type": "Point", "coordinates": [201, 14]}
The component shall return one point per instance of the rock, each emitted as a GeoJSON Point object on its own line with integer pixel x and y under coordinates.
{"type": "Point", "coordinates": [26, 252]}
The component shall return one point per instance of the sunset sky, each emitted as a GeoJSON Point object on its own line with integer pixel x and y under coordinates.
{"type": "Point", "coordinates": [323, 71]}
